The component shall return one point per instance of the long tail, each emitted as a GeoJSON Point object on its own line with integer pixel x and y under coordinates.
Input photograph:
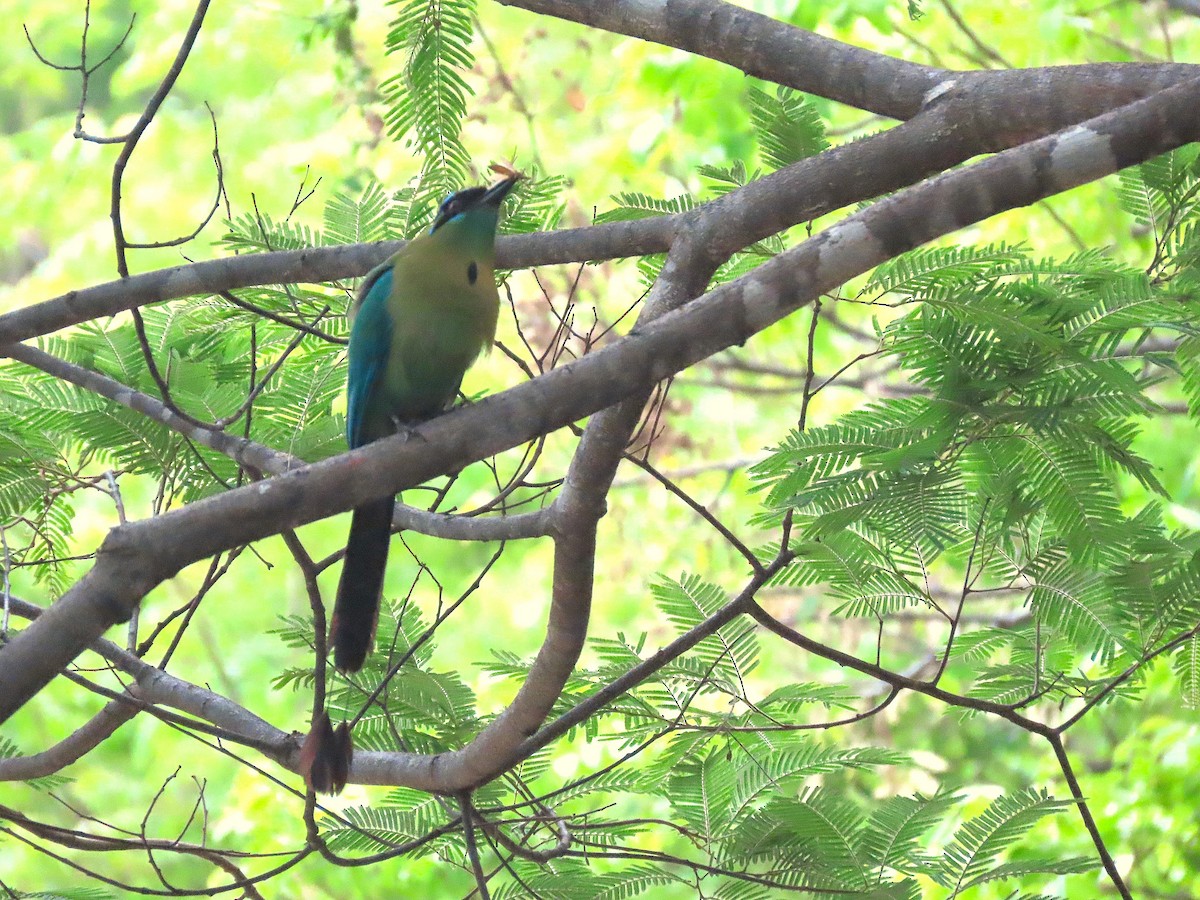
{"type": "Point", "coordinates": [356, 612]}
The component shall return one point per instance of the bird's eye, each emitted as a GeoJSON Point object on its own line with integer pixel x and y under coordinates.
{"type": "Point", "coordinates": [456, 205]}
{"type": "Point", "coordinates": [472, 272]}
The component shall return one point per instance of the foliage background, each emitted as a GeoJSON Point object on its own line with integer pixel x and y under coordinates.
{"type": "Point", "coordinates": [297, 97]}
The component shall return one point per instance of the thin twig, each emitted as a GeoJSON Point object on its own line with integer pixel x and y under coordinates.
{"type": "Point", "coordinates": [1085, 813]}
{"type": "Point", "coordinates": [468, 825]}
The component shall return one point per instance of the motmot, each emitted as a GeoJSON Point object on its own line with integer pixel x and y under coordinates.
{"type": "Point", "coordinates": [418, 322]}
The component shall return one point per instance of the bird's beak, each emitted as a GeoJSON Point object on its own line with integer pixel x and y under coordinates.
{"type": "Point", "coordinates": [497, 192]}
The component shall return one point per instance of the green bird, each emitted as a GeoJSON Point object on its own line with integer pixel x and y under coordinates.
{"type": "Point", "coordinates": [418, 322]}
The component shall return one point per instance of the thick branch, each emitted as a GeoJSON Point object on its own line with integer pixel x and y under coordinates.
{"type": "Point", "coordinates": [759, 46]}
{"type": "Point", "coordinates": [1010, 100]}
{"type": "Point", "coordinates": [316, 265]}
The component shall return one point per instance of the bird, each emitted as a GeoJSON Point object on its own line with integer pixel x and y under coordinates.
{"type": "Point", "coordinates": [418, 322]}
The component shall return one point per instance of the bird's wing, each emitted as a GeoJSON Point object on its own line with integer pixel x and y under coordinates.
{"type": "Point", "coordinates": [370, 344]}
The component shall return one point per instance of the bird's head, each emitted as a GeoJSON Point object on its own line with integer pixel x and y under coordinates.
{"type": "Point", "coordinates": [481, 204]}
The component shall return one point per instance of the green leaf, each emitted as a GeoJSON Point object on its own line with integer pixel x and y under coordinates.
{"type": "Point", "coordinates": [891, 837]}
{"type": "Point", "coordinates": [632, 206]}
{"type": "Point", "coordinates": [978, 842]}
{"type": "Point", "coordinates": [356, 221]}
{"type": "Point", "coordinates": [772, 766]}
{"type": "Point", "coordinates": [1186, 661]}
{"type": "Point", "coordinates": [701, 792]}
{"type": "Point", "coordinates": [1079, 604]}
{"type": "Point", "coordinates": [788, 127]}
{"type": "Point", "coordinates": [914, 274]}
{"type": "Point", "coordinates": [688, 602]}
{"type": "Point", "coordinates": [427, 99]}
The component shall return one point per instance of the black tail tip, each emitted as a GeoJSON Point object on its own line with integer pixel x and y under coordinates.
{"type": "Point", "coordinates": [349, 659]}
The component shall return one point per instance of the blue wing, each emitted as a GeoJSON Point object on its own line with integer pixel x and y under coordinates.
{"type": "Point", "coordinates": [370, 343]}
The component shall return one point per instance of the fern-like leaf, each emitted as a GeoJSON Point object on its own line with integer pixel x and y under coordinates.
{"type": "Point", "coordinates": [978, 842]}
{"type": "Point", "coordinates": [427, 100]}
{"type": "Point", "coordinates": [788, 127]}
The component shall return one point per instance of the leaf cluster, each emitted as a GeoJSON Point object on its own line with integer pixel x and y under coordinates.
{"type": "Point", "coordinates": [1005, 469]}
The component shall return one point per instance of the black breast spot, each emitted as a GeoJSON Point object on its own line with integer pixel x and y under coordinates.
{"type": "Point", "coordinates": [472, 272]}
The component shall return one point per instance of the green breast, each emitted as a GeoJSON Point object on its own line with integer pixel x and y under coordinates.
{"type": "Point", "coordinates": [444, 309]}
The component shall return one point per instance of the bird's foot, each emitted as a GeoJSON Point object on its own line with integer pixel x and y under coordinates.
{"type": "Point", "coordinates": [406, 430]}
